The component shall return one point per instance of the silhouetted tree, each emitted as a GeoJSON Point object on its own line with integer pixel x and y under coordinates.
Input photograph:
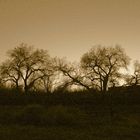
{"type": "Point", "coordinates": [9, 73]}
{"type": "Point", "coordinates": [46, 82]}
{"type": "Point", "coordinates": [25, 66]}
{"type": "Point", "coordinates": [133, 79]}
{"type": "Point", "coordinates": [102, 64]}
{"type": "Point", "coordinates": [73, 72]}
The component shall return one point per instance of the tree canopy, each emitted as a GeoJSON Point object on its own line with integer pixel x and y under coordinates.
{"type": "Point", "coordinates": [25, 66]}
{"type": "Point", "coordinates": [102, 65]}
{"type": "Point", "coordinates": [28, 69]}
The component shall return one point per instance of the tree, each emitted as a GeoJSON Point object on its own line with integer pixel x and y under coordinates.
{"type": "Point", "coordinates": [134, 79]}
{"type": "Point", "coordinates": [136, 75]}
{"type": "Point", "coordinates": [72, 71]}
{"type": "Point", "coordinates": [9, 73]}
{"type": "Point", "coordinates": [26, 66]}
{"type": "Point", "coordinates": [102, 64]}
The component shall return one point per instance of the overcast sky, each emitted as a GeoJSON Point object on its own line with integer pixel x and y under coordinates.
{"type": "Point", "coordinates": [70, 27]}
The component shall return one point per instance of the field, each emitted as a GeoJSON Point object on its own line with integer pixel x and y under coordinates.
{"type": "Point", "coordinates": [70, 117]}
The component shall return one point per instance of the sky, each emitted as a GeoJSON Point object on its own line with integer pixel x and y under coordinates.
{"type": "Point", "coordinates": [69, 28]}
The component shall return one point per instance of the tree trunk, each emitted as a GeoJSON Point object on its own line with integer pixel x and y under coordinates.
{"type": "Point", "coordinates": [25, 87]}
{"type": "Point", "coordinates": [105, 82]}
{"type": "Point", "coordinates": [17, 86]}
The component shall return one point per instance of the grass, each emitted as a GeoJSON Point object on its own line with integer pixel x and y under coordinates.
{"type": "Point", "coordinates": [69, 117]}
{"type": "Point", "coordinates": [98, 132]}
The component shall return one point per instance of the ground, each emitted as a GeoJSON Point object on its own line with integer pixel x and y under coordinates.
{"type": "Point", "coordinates": [69, 117]}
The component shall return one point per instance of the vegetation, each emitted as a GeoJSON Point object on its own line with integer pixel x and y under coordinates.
{"type": "Point", "coordinates": [45, 98]}
{"type": "Point", "coordinates": [70, 116]}
{"type": "Point", "coordinates": [28, 69]}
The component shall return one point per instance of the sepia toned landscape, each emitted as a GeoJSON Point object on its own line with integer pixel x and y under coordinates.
{"type": "Point", "coordinates": [69, 70]}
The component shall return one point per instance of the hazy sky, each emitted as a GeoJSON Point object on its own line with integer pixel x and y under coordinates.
{"type": "Point", "coordinates": [70, 27]}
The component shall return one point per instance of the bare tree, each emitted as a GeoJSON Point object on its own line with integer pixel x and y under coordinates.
{"type": "Point", "coordinates": [136, 75]}
{"type": "Point", "coordinates": [9, 73]}
{"type": "Point", "coordinates": [103, 64]}
{"type": "Point", "coordinates": [25, 66]}
{"type": "Point", "coordinates": [73, 72]}
{"type": "Point", "coordinates": [133, 79]}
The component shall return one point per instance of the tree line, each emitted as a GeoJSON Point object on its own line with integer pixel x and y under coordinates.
{"type": "Point", "coordinates": [29, 69]}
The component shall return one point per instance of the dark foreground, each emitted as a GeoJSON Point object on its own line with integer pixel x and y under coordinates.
{"type": "Point", "coordinates": [70, 117]}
